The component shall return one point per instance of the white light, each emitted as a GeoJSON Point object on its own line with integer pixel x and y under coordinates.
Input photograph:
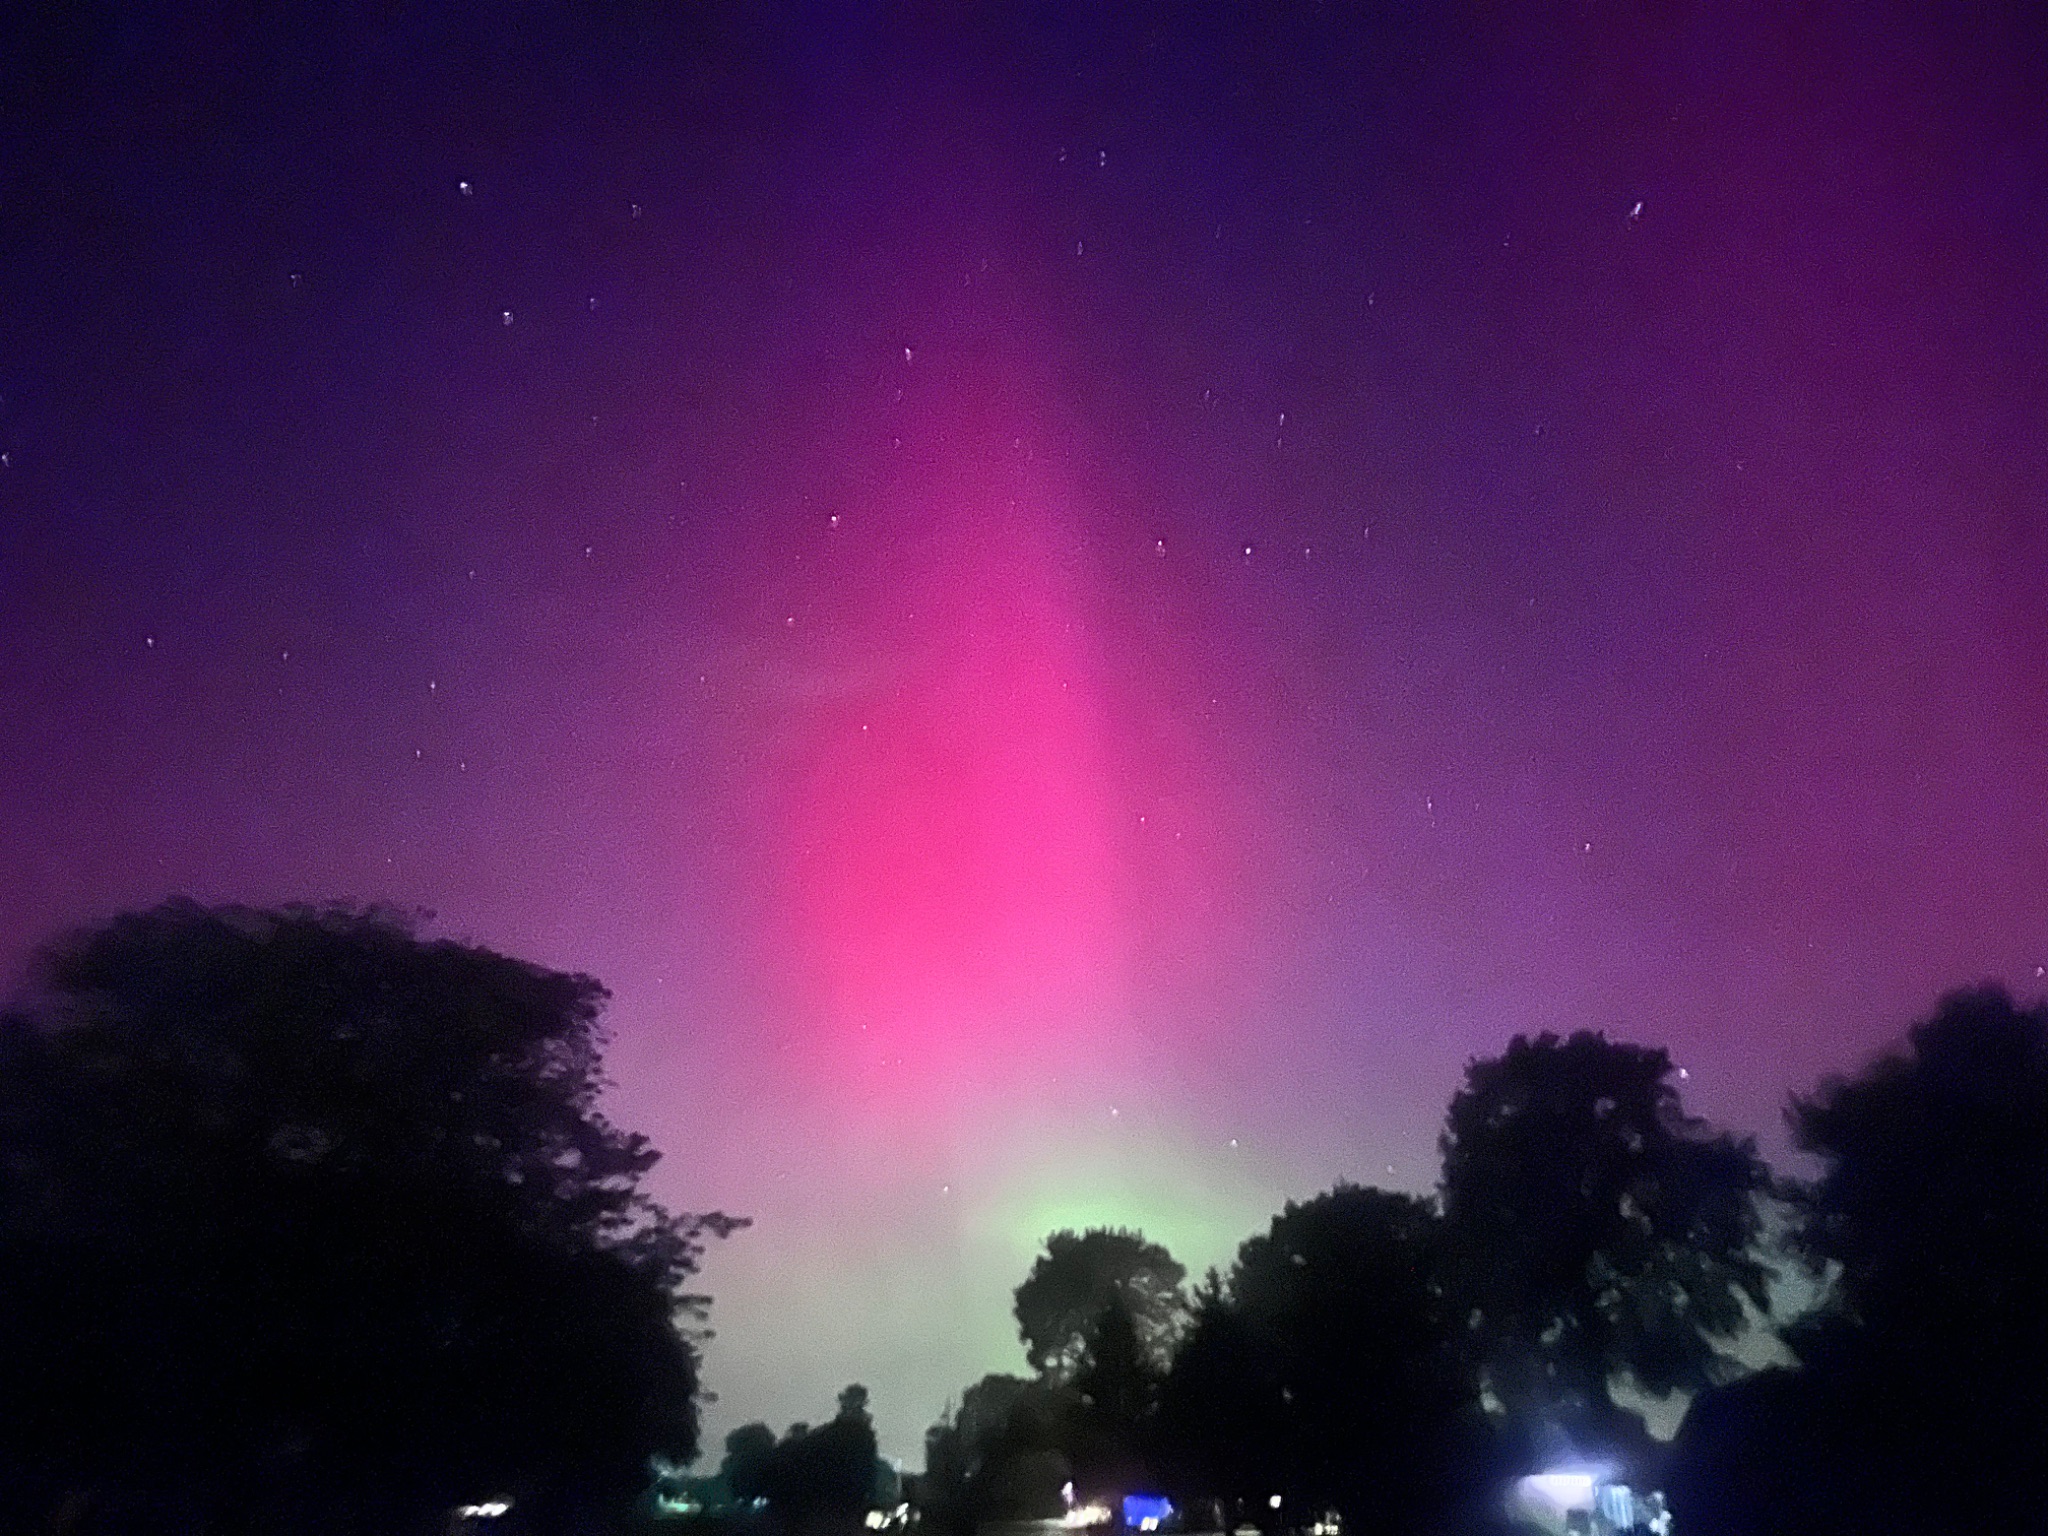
{"type": "Point", "coordinates": [489, 1510]}
{"type": "Point", "coordinates": [1273, 1502]}
{"type": "Point", "coordinates": [1558, 1492]}
{"type": "Point", "coordinates": [1083, 1516]}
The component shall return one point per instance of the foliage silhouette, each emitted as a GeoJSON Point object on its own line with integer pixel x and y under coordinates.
{"type": "Point", "coordinates": [1916, 1406]}
{"type": "Point", "coordinates": [1112, 1408]}
{"type": "Point", "coordinates": [1326, 1370]}
{"type": "Point", "coordinates": [1221, 1424]}
{"type": "Point", "coordinates": [749, 1455]}
{"type": "Point", "coordinates": [1595, 1230]}
{"type": "Point", "coordinates": [1591, 1231]}
{"type": "Point", "coordinates": [999, 1456]}
{"type": "Point", "coordinates": [304, 1218]}
{"type": "Point", "coordinates": [1933, 1202]}
{"type": "Point", "coordinates": [1062, 1299]}
{"type": "Point", "coordinates": [824, 1476]}
{"type": "Point", "coordinates": [1342, 1291]}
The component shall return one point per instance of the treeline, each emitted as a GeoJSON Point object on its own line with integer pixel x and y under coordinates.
{"type": "Point", "coordinates": [1401, 1360]}
{"type": "Point", "coordinates": [823, 1476]}
{"type": "Point", "coordinates": [309, 1224]}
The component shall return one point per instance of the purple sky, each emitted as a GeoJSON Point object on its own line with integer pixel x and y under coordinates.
{"type": "Point", "coordinates": [1073, 612]}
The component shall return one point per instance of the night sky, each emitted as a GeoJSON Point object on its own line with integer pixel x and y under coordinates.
{"type": "Point", "coordinates": [1072, 609]}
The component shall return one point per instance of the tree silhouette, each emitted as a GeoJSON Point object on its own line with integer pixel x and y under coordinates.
{"type": "Point", "coordinates": [1329, 1370]}
{"type": "Point", "coordinates": [1593, 1228]}
{"type": "Point", "coordinates": [1221, 1425]}
{"type": "Point", "coordinates": [1340, 1293]}
{"type": "Point", "coordinates": [1078, 1274]}
{"type": "Point", "coordinates": [1112, 1411]}
{"type": "Point", "coordinates": [303, 1215]}
{"type": "Point", "coordinates": [825, 1476]}
{"type": "Point", "coordinates": [998, 1456]}
{"type": "Point", "coordinates": [1933, 1199]}
{"type": "Point", "coordinates": [749, 1453]}
{"type": "Point", "coordinates": [1931, 1217]}
{"type": "Point", "coordinates": [1786, 1452]}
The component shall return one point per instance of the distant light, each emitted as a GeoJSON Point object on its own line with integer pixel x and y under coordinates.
{"type": "Point", "coordinates": [1146, 1511]}
{"type": "Point", "coordinates": [1558, 1492]}
{"type": "Point", "coordinates": [1273, 1502]}
{"type": "Point", "coordinates": [488, 1510]}
{"type": "Point", "coordinates": [1084, 1516]}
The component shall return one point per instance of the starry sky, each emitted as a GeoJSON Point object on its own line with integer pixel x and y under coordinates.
{"type": "Point", "coordinates": [1073, 605]}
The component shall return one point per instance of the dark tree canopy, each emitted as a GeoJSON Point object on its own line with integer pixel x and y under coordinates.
{"type": "Point", "coordinates": [1918, 1403]}
{"type": "Point", "coordinates": [1075, 1278]}
{"type": "Point", "coordinates": [1112, 1411]}
{"type": "Point", "coordinates": [827, 1474]}
{"type": "Point", "coordinates": [299, 1209]}
{"type": "Point", "coordinates": [1593, 1228]}
{"type": "Point", "coordinates": [749, 1456]}
{"type": "Point", "coordinates": [1933, 1199]}
{"type": "Point", "coordinates": [1342, 1289]}
{"type": "Point", "coordinates": [995, 1406]}
{"type": "Point", "coordinates": [999, 1456]}
{"type": "Point", "coordinates": [1328, 1369]}
{"type": "Point", "coordinates": [1221, 1425]}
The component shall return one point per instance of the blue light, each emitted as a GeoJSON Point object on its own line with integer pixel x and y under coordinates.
{"type": "Point", "coordinates": [1146, 1511]}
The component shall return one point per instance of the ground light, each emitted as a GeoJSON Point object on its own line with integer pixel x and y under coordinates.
{"type": "Point", "coordinates": [1146, 1511]}
{"type": "Point", "coordinates": [1584, 1498]}
{"type": "Point", "coordinates": [1559, 1492]}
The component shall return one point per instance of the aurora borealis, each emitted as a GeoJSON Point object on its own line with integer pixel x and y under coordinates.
{"type": "Point", "coordinates": [1072, 605]}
